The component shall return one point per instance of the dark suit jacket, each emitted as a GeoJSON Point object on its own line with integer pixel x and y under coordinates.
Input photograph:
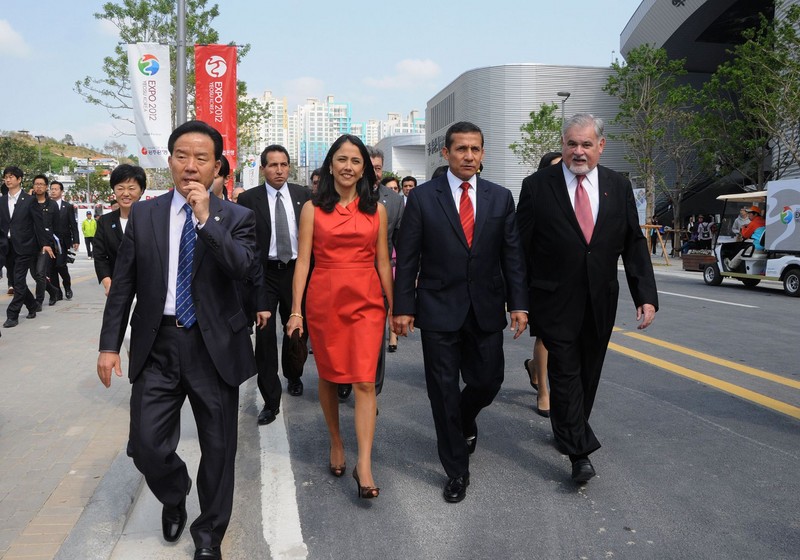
{"type": "Point", "coordinates": [31, 229]}
{"type": "Point", "coordinates": [563, 270]}
{"type": "Point", "coordinates": [107, 240]}
{"type": "Point", "coordinates": [256, 200]}
{"type": "Point", "coordinates": [224, 254]}
{"type": "Point", "coordinates": [66, 226]}
{"type": "Point", "coordinates": [451, 275]}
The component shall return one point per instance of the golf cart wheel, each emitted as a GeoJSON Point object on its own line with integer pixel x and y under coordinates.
{"type": "Point", "coordinates": [711, 275]}
{"type": "Point", "coordinates": [791, 283]}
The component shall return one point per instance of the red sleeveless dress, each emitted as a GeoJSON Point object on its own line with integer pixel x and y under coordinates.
{"type": "Point", "coordinates": [345, 313]}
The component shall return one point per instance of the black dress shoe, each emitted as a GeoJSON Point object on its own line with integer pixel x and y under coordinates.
{"type": "Point", "coordinates": [52, 301]}
{"type": "Point", "coordinates": [31, 314]}
{"type": "Point", "coordinates": [68, 293]}
{"type": "Point", "coordinates": [582, 470]}
{"type": "Point", "coordinates": [392, 348]}
{"type": "Point", "coordinates": [295, 387]}
{"type": "Point", "coordinates": [207, 553]}
{"type": "Point", "coordinates": [10, 323]}
{"type": "Point", "coordinates": [344, 391]}
{"type": "Point", "coordinates": [472, 440]}
{"type": "Point", "coordinates": [535, 385]}
{"type": "Point", "coordinates": [456, 489]}
{"type": "Point", "coordinates": [38, 308]}
{"type": "Point", "coordinates": [267, 415]}
{"type": "Point", "coordinates": [60, 295]}
{"type": "Point", "coordinates": [173, 519]}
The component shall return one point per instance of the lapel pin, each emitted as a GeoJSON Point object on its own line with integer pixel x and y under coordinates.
{"type": "Point", "coordinates": [216, 218]}
{"type": "Point", "coordinates": [113, 226]}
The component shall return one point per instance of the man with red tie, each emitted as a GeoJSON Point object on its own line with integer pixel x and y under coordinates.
{"type": "Point", "coordinates": [575, 221]}
{"type": "Point", "coordinates": [459, 234]}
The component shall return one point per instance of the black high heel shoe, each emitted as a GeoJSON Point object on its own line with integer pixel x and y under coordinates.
{"type": "Point", "coordinates": [530, 377]}
{"type": "Point", "coordinates": [366, 492]}
{"type": "Point", "coordinates": [337, 470]}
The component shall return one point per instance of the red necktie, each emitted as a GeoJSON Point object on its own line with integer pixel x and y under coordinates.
{"type": "Point", "coordinates": [467, 213]}
{"type": "Point", "coordinates": [583, 210]}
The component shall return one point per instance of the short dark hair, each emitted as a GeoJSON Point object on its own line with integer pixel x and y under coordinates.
{"type": "Point", "coordinates": [327, 197]}
{"type": "Point", "coordinates": [409, 178]}
{"type": "Point", "coordinates": [13, 170]}
{"type": "Point", "coordinates": [274, 148]}
{"type": "Point", "coordinates": [59, 183]}
{"type": "Point", "coordinates": [197, 126]}
{"type": "Point", "coordinates": [388, 179]}
{"type": "Point", "coordinates": [439, 171]}
{"type": "Point", "coordinates": [547, 159]}
{"type": "Point", "coordinates": [461, 127]}
{"type": "Point", "coordinates": [315, 173]}
{"type": "Point", "coordinates": [125, 171]}
{"type": "Point", "coordinates": [41, 176]}
{"type": "Point", "coordinates": [224, 168]}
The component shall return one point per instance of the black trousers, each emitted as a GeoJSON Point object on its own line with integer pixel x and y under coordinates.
{"type": "Point", "coordinates": [278, 283]}
{"type": "Point", "coordinates": [478, 357]}
{"type": "Point", "coordinates": [178, 367]}
{"type": "Point", "coordinates": [60, 269]}
{"type": "Point", "coordinates": [22, 295]}
{"type": "Point", "coordinates": [574, 368]}
{"type": "Point", "coordinates": [89, 241]}
{"type": "Point", "coordinates": [42, 271]}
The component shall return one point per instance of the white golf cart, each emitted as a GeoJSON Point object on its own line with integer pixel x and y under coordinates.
{"type": "Point", "coordinates": [780, 259]}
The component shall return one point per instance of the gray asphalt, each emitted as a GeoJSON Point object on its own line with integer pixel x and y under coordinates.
{"type": "Point", "coordinates": [687, 470]}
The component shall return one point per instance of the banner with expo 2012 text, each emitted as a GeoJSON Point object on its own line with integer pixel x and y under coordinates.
{"type": "Point", "coordinates": [151, 90]}
{"type": "Point", "coordinates": [216, 95]}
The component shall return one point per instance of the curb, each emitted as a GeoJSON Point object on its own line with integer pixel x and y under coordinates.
{"type": "Point", "coordinates": [103, 519]}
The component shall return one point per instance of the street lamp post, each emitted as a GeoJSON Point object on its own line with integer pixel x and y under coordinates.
{"type": "Point", "coordinates": [564, 95]}
{"type": "Point", "coordinates": [39, 139]}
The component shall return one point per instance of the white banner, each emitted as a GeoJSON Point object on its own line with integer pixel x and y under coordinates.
{"type": "Point", "coordinates": [148, 65]}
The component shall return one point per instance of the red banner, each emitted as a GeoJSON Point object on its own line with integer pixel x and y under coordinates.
{"type": "Point", "coordinates": [215, 95]}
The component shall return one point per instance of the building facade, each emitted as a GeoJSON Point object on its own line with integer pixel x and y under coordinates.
{"type": "Point", "coordinates": [499, 99]}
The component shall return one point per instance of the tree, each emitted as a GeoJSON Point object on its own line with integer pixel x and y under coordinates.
{"type": "Point", "coordinates": [25, 155]}
{"type": "Point", "coordinates": [99, 188]}
{"type": "Point", "coordinates": [541, 134]}
{"type": "Point", "coordinates": [753, 102]}
{"type": "Point", "coordinates": [155, 21]}
{"type": "Point", "coordinates": [115, 149]}
{"type": "Point", "coordinates": [645, 87]}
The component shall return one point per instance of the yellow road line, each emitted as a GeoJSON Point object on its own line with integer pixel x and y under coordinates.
{"type": "Point", "coordinates": [714, 360]}
{"type": "Point", "coordinates": [746, 394]}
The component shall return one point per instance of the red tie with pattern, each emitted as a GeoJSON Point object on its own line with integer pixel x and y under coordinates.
{"type": "Point", "coordinates": [467, 213]}
{"type": "Point", "coordinates": [583, 210]}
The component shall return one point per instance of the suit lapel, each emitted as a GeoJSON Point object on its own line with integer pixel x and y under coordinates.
{"type": "Point", "coordinates": [482, 211]}
{"type": "Point", "coordinates": [216, 213]}
{"type": "Point", "coordinates": [262, 209]}
{"type": "Point", "coordinates": [159, 219]}
{"type": "Point", "coordinates": [445, 197]}
{"type": "Point", "coordinates": [559, 188]}
{"type": "Point", "coordinates": [604, 185]}
{"type": "Point", "coordinates": [116, 228]}
{"type": "Point", "coordinates": [297, 204]}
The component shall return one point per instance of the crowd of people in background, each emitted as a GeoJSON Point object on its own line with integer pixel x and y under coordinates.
{"type": "Point", "coordinates": [342, 267]}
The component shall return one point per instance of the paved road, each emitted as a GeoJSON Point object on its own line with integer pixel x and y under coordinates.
{"type": "Point", "coordinates": [698, 417]}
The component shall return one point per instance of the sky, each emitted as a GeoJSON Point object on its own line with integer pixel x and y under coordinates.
{"type": "Point", "coordinates": [385, 57]}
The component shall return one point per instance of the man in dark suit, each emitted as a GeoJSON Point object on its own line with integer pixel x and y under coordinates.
{"type": "Point", "coordinates": [66, 229]}
{"type": "Point", "coordinates": [459, 233]}
{"type": "Point", "coordinates": [43, 266]}
{"type": "Point", "coordinates": [575, 221]}
{"type": "Point", "coordinates": [181, 256]}
{"type": "Point", "coordinates": [23, 235]}
{"type": "Point", "coordinates": [276, 232]}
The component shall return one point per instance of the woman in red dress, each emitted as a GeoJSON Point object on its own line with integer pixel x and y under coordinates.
{"type": "Point", "coordinates": [345, 229]}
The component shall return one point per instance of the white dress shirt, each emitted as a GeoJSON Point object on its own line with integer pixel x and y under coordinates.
{"type": "Point", "coordinates": [286, 198]}
{"type": "Point", "coordinates": [455, 188]}
{"type": "Point", "coordinates": [12, 202]}
{"type": "Point", "coordinates": [177, 217]}
{"type": "Point", "coordinates": [590, 183]}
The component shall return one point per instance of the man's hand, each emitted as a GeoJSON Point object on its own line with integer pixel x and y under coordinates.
{"type": "Point", "coordinates": [198, 199]}
{"type": "Point", "coordinates": [49, 251]}
{"type": "Point", "coordinates": [645, 313]}
{"type": "Point", "coordinates": [261, 318]}
{"type": "Point", "coordinates": [75, 246]}
{"type": "Point", "coordinates": [402, 324]}
{"type": "Point", "coordinates": [106, 363]}
{"type": "Point", "coordinates": [519, 322]}
{"type": "Point", "coordinates": [106, 282]}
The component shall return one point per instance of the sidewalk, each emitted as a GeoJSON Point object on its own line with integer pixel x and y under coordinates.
{"type": "Point", "coordinates": [60, 430]}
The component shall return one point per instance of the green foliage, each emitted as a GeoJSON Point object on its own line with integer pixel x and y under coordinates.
{"type": "Point", "coordinates": [646, 88]}
{"type": "Point", "coordinates": [99, 188]}
{"type": "Point", "coordinates": [541, 134]}
{"type": "Point", "coordinates": [752, 103]}
{"type": "Point", "coordinates": [15, 151]}
{"type": "Point", "coordinates": [153, 21]}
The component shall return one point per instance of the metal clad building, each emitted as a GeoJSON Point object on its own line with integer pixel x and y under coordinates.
{"type": "Point", "coordinates": [499, 100]}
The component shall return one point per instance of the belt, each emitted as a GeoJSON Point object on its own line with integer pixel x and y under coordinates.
{"type": "Point", "coordinates": [278, 265]}
{"type": "Point", "coordinates": [171, 321]}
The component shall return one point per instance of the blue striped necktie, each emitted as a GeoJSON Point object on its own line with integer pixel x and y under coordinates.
{"type": "Point", "coordinates": [184, 305]}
